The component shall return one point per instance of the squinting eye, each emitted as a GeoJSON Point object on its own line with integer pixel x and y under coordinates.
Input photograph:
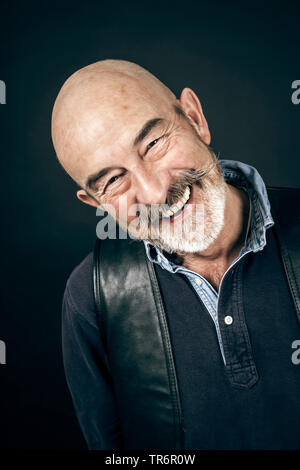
{"type": "Point", "coordinates": [112, 180]}
{"type": "Point", "coordinates": [149, 146]}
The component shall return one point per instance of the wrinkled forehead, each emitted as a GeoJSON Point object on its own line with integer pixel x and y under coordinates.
{"type": "Point", "coordinates": [101, 120]}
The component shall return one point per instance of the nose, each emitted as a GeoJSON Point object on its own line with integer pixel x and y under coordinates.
{"type": "Point", "coordinates": [151, 187]}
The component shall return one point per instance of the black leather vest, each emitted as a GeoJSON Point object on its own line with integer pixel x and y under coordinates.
{"type": "Point", "coordinates": [134, 328]}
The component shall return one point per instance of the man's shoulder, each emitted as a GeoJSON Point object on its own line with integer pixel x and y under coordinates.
{"type": "Point", "coordinates": [82, 272]}
{"type": "Point", "coordinates": [79, 286]}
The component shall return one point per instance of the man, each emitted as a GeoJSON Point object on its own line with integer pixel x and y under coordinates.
{"type": "Point", "coordinates": [182, 336]}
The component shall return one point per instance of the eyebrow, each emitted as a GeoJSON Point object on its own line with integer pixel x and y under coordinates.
{"type": "Point", "coordinates": [141, 135]}
{"type": "Point", "coordinates": [146, 129]}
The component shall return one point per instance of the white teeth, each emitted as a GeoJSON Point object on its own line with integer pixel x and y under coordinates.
{"type": "Point", "coordinates": [179, 204]}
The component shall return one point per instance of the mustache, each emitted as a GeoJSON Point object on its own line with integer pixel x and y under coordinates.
{"type": "Point", "coordinates": [189, 177]}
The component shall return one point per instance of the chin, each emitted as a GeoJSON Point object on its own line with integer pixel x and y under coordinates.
{"type": "Point", "coordinates": [189, 243]}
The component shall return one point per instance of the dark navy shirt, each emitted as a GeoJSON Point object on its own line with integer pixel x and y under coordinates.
{"type": "Point", "coordinates": [252, 402]}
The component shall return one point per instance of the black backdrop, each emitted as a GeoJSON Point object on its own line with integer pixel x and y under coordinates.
{"type": "Point", "coordinates": [241, 61]}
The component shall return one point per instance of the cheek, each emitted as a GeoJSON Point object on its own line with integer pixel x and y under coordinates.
{"type": "Point", "coordinates": [185, 154]}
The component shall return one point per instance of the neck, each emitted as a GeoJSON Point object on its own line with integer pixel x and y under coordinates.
{"type": "Point", "coordinates": [231, 239]}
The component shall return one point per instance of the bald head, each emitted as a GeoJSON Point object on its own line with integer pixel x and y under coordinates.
{"type": "Point", "coordinates": [98, 106]}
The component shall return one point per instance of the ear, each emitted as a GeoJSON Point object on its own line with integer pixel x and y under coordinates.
{"type": "Point", "coordinates": [86, 198]}
{"type": "Point", "coordinates": [191, 105]}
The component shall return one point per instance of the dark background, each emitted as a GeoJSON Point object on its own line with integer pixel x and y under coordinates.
{"type": "Point", "coordinates": [240, 59]}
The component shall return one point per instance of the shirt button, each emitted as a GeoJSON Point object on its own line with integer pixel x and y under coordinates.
{"type": "Point", "coordinates": [198, 281]}
{"type": "Point", "coordinates": [228, 320]}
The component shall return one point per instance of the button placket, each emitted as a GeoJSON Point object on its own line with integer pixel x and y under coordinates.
{"type": "Point", "coordinates": [240, 365]}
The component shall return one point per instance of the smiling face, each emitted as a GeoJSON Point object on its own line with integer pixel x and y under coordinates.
{"type": "Point", "coordinates": [129, 143]}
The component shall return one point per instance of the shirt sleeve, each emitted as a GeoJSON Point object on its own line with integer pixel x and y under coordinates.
{"type": "Point", "coordinates": [88, 377]}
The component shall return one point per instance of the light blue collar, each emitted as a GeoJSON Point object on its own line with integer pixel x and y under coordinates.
{"type": "Point", "coordinates": [243, 176]}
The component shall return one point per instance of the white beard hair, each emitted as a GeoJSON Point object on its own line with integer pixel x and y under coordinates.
{"type": "Point", "coordinates": [199, 240]}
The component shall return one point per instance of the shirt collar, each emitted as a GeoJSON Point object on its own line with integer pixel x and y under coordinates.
{"type": "Point", "coordinates": [243, 176]}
